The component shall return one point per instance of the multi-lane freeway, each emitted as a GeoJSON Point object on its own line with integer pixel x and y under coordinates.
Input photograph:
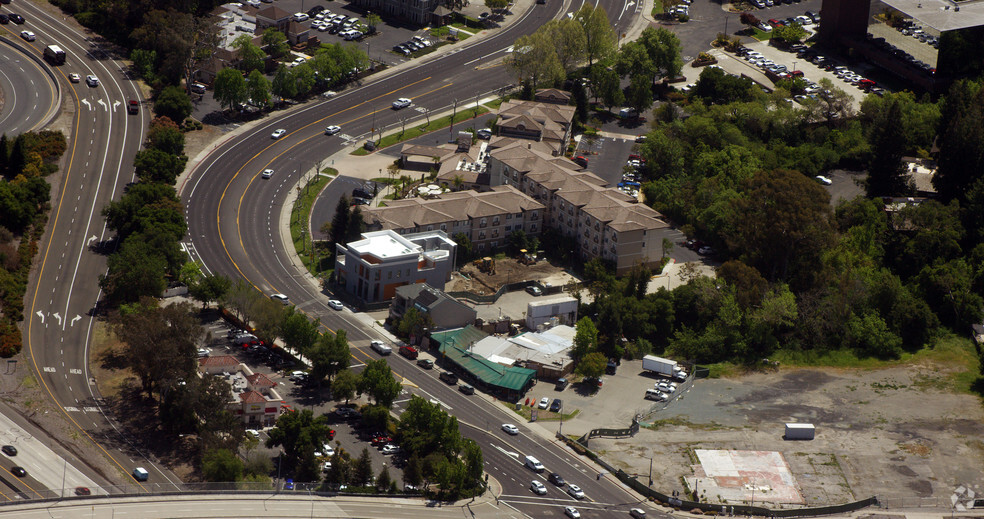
{"type": "Point", "coordinates": [62, 294]}
{"type": "Point", "coordinates": [235, 228]}
{"type": "Point", "coordinates": [30, 94]}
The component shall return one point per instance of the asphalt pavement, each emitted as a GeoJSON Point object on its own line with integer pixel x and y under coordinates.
{"type": "Point", "coordinates": [29, 97]}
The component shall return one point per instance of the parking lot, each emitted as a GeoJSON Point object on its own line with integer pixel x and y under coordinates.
{"type": "Point", "coordinates": [298, 394]}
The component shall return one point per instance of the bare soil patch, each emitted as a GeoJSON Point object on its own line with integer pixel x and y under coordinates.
{"type": "Point", "coordinates": [507, 270]}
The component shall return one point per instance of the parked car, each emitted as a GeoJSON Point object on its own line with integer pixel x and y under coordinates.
{"type": "Point", "coordinates": [544, 403]}
{"type": "Point", "coordinates": [556, 405]}
{"type": "Point", "coordinates": [425, 363]}
{"type": "Point", "coordinates": [534, 290]}
{"type": "Point", "coordinates": [335, 304]}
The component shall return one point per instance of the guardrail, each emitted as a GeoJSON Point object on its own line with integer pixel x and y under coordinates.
{"type": "Point", "coordinates": [158, 489]}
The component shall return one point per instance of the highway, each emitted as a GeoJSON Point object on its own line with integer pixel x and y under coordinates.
{"type": "Point", "coordinates": [30, 96]}
{"type": "Point", "coordinates": [64, 290]}
{"type": "Point", "coordinates": [236, 229]}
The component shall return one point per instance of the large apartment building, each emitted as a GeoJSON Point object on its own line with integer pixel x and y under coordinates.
{"type": "Point", "coordinates": [372, 268]}
{"type": "Point", "coordinates": [604, 222]}
{"type": "Point", "coordinates": [487, 218]}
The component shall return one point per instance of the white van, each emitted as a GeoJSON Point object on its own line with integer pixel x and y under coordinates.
{"type": "Point", "coordinates": [533, 464]}
{"type": "Point", "coordinates": [140, 474]}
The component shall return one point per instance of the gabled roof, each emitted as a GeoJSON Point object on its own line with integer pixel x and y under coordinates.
{"type": "Point", "coordinates": [450, 207]}
{"type": "Point", "coordinates": [252, 397]}
{"type": "Point", "coordinates": [454, 344]}
{"type": "Point", "coordinates": [273, 13]}
{"type": "Point", "coordinates": [553, 95]}
{"type": "Point", "coordinates": [260, 380]}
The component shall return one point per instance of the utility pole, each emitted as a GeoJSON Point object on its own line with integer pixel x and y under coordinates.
{"type": "Point", "coordinates": [454, 113]}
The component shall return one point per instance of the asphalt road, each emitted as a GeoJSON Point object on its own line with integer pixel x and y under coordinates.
{"type": "Point", "coordinates": [235, 229]}
{"type": "Point", "coordinates": [63, 292]}
{"type": "Point", "coordinates": [29, 95]}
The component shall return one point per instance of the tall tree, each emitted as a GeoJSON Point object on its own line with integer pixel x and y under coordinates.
{"type": "Point", "coordinates": [362, 469]}
{"type": "Point", "coordinates": [230, 88]}
{"type": "Point", "coordinates": [211, 287]}
{"type": "Point", "coordinates": [585, 339]}
{"type": "Point", "coordinates": [569, 42]}
{"type": "Point", "coordinates": [663, 47]}
{"type": "Point", "coordinates": [173, 103]}
{"type": "Point", "coordinates": [275, 43]}
{"type": "Point", "coordinates": [221, 465]}
{"type": "Point", "coordinates": [298, 433]}
{"type": "Point", "coordinates": [887, 173]}
{"type": "Point", "coordinates": [534, 59]}
{"type": "Point", "coordinates": [599, 37]}
{"type": "Point", "coordinates": [330, 356]}
{"type": "Point", "coordinates": [377, 381]}
{"type": "Point", "coordinates": [639, 95]}
{"type": "Point", "coordinates": [961, 157]}
{"type": "Point", "coordinates": [340, 222]}
{"type": "Point", "coordinates": [258, 89]}
{"type": "Point", "coordinates": [344, 386]}
{"type": "Point", "coordinates": [284, 86]}
{"type": "Point", "coordinates": [250, 56]}
{"type": "Point", "coordinates": [605, 84]}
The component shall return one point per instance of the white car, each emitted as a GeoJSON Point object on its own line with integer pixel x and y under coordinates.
{"type": "Point", "coordinates": [575, 491]}
{"type": "Point", "coordinates": [253, 432]}
{"type": "Point", "coordinates": [510, 428]}
{"type": "Point", "coordinates": [91, 80]}
{"type": "Point", "coordinates": [28, 35]}
{"type": "Point", "coordinates": [278, 133]}
{"type": "Point", "coordinates": [638, 513]}
{"type": "Point", "coordinates": [280, 298]}
{"type": "Point", "coordinates": [544, 403]}
{"type": "Point", "coordinates": [327, 450]}
{"type": "Point", "coordinates": [538, 488]}
{"type": "Point", "coordinates": [326, 466]}
{"type": "Point", "coordinates": [74, 78]}
{"type": "Point", "coordinates": [572, 512]}
{"type": "Point", "coordinates": [267, 173]}
{"type": "Point", "coordinates": [824, 180]}
{"type": "Point", "coordinates": [335, 304]}
{"type": "Point", "coordinates": [300, 17]}
{"type": "Point", "coordinates": [390, 449]}
{"type": "Point", "coordinates": [402, 102]}
{"type": "Point", "coordinates": [332, 130]}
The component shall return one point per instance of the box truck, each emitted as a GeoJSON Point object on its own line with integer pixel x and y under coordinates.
{"type": "Point", "coordinates": [799, 431]}
{"type": "Point", "coordinates": [658, 365]}
{"type": "Point", "coordinates": [54, 54]}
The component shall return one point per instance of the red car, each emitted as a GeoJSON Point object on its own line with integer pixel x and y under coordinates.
{"type": "Point", "coordinates": [331, 434]}
{"type": "Point", "coordinates": [775, 23]}
{"type": "Point", "coordinates": [133, 106]}
{"type": "Point", "coordinates": [409, 352]}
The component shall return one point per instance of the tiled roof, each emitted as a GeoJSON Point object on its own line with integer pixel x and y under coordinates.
{"type": "Point", "coordinates": [252, 397]}
{"type": "Point", "coordinates": [260, 380]}
{"type": "Point", "coordinates": [273, 13]}
{"type": "Point", "coordinates": [449, 207]}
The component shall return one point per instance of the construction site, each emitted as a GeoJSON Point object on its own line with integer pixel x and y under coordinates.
{"type": "Point", "coordinates": [485, 276]}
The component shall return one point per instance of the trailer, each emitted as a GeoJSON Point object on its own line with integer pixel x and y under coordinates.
{"type": "Point", "coordinates": [800, 431]}
{"type": "Point", "coordinates": [659, 365]}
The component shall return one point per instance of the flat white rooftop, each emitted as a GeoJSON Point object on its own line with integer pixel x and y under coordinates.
{"type": "Point", "coordinates": [384, 244]}
{"type": "Point", "coordinates": [942, 15]}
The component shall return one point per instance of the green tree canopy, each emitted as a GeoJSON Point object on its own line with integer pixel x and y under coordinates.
{"type": "Point", "coordinates": [220, 465]}
{"type": "Point", "coordinates": [230, 88]}
{"type": "Point", "coordinates": [173, 102]}
{"type": "Point", "coordinates": [377, 381]}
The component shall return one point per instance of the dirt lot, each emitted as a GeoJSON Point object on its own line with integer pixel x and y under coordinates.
{"type": "Point", "coordinates": [899, 433]}
{"type": "Point", "coordinates": [507, 270]}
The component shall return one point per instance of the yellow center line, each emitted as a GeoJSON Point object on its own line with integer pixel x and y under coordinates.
{"type": "Point", "coordinates": [44, 262]}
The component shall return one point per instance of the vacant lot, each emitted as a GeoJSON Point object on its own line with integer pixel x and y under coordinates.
{"type": "Point", "coordinates": [899, 433]}
{"type": "Point", "coordinates": [507, 270]}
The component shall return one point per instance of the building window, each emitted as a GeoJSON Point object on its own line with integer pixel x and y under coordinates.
{"type": "Point", "coordinates": [430, 227]}
{"type": "Point", "coordinates": [495, 221]}
{"type": "Point", "coordinates": [509, 216]}
{"type": "Point", "coordinates": [397, 274]}
{"type": "Point", "coordinates": [483, 223]}
{"type": "Point", "coordinates": [495, 244]}
{"type": "Point", "coordinates": [481, 235]}
{"type": "Point", "coordinates": [408, 272]}
{"type": "Point", "coordinates": [533, 227]}
{"type": "Point", "coordinates": [444, 226]}
{"type": "Point", "coordinates": [389, 275]}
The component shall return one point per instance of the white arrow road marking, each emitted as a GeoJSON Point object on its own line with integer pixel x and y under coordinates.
{"type": "Point", "coordinates": [507, 453]}
{"type": "Point", "coordinates": [57, 316]}
{"type": "Point", "coordinates": [90, 240]}
{"type": "Point", "coordinates": [41, 315]}
{"type": "Point", "coordinates": [76, 318]}
{"type": "Point", "coordinates": [105, 107]}
{"type": "Point", "coordinates": [115, 104]}
{"type": "Point", "coordinates": [86, 103]}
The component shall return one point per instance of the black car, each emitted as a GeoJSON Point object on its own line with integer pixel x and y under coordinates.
{"type": "Point", "coordinates": [361, 193]}
{"type": "Point", "coordinates": [9, 450]}
{"type": "Point", "coordinates": [4, 18]}
{"type": "Point", "coordinates": [312, 12]}
{"type": "Point", "coordinates": [19, 472]}
{"type": "Point", "coordinates": [16, 18]}
{"type": "Point", "coordinates": [425, 363]}
{"type": "Point", "coordinates": [556, 479]}
{"type": "Point", "coordinates": [556, 405]}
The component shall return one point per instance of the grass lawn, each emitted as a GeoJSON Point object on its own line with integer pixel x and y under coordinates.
{"type": "Point", "coordinates": [423, 129]}
{"type": "Point", "coordinates": [761, 35]}
{"type": "Point", "coordinates": [299, 217]}
{"type": "Point", "coordinates": [542, 415]}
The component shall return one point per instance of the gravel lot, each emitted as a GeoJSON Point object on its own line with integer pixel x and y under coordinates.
{"type": "Point", "coordinates": [897, 433]}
